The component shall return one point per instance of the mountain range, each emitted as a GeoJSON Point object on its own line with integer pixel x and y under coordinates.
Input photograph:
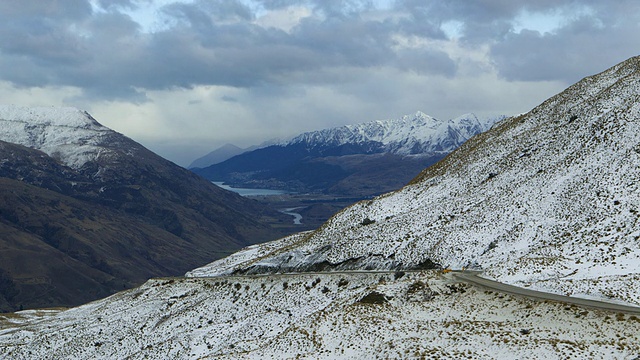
{"type": "Point", "coordinates": [546, 200]}
{"type": "Point", "coordinates": [356, 160]}
{"type": "Point", "coordinates": [86, 211]}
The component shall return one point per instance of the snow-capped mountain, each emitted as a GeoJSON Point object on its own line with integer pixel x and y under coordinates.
{"type": "Point", "coordinates": [70, 135]}
{"type": "Point", "coordinates": [86, 211]}
{"type": "Point", "coordinates": [411, 134]}
{"type": "Point", "coordinates": [343, 160]}
{"type": "Point", "coordinates": [547, 200]}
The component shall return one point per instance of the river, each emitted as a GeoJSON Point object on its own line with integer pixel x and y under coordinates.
{"type": "Point", "coordinates": [297, 218]}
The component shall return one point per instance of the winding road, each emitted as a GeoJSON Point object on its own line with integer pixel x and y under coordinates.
{"type": "Point", "coordinates": [472, 277]}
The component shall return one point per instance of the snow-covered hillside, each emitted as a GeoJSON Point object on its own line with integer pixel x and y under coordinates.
{"type": "Point", "coordinates": [70, 135]}
{"type": "Point", "coordinates": [412, 134]}
{"type": "Point", "coordinates": [319, 316]}
{"type": "Point", "coordinates": [547, 200]}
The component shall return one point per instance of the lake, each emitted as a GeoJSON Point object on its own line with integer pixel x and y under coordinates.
{"type": "Point", "coordinates": [250, 192]}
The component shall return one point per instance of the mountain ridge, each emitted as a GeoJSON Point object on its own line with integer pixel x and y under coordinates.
{"type": "Point", "coordinates": [403, 136]}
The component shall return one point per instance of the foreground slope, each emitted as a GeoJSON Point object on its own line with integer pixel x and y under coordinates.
{"type": "Point", "coordinates": [86, 211]}
{"type": "Point", "coordinates": [319, 316]}
{"type": "Point", "coordinates": [549, 199]}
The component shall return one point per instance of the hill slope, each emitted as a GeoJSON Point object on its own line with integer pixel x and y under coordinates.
{"type": "Point", "coordinates": [79, 198]}
{"type": "Point", "coordinates": [319, 316]}
{"type": "Point", "coordinates": [548, 199]}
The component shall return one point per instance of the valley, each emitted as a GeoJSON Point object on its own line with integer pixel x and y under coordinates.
{"type": "Point", "coordinates": [257, 180]}
{"type": "Point", "coordinates": [314, 209]}
{"type": "Point", "coordinates": [361, 160]}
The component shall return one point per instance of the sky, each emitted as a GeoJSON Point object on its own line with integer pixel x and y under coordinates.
{"type": "Point", "coordinates": [185, 77]}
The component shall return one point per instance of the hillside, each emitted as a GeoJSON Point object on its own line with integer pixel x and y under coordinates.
{"type": "Point", "coordinates": [319, 316]}
{"type": "Point", "coordinates": [87, 212]}
{"type": "Point", "coordinates": [546, 200]}
{"type": "Point", "coordinates": [352, 160]}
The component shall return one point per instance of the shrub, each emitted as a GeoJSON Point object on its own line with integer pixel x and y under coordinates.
{"type": "Point", "coordinates": [367, 221]}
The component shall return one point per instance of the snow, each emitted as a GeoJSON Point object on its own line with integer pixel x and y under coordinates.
{"type": "Point", "coordinates": [411, 134]}
{"type": "Point", "coordinates": [64, 133]}
{"type": "Point", "coordinates": [320, 316]}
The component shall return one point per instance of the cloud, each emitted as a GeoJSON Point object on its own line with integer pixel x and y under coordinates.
{"type": "Point", "coordinates": [585, 44]}
{"type": "Point", "coordinates": [208, 43]}
{"type": "Point", "coordinates": [215, 42]}
{"type": "Point", "coordinates": [272, 67]}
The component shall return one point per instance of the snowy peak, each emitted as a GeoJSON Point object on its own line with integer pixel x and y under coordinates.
{"type": "Point", "coordinates": [67, 134]}
{"type": "Point", "coordinates": [412, 134]}
{"type": "Point", "coordinates": [49, 116]}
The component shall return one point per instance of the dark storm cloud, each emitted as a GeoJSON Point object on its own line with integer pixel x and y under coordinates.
{"type": "Point", "coordinates": [107, 54]}
{"type": "Point", "coordinates": [211, 42]}
{"type": "Point", "coordinates": [38, 31]}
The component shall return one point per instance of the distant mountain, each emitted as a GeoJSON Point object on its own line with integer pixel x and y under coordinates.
{"type": "Point", "coordinates": [547, 200]}
{"type": "Point", "coordinates": [86, 211]}
{"type": "Point", "coordinates": [410, 135]}
{"type": "Point", "coordinates": [349, 159]}
{"type": "Point", "coordinates": [218, 155]}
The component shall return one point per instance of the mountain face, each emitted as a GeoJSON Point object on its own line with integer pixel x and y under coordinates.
{"type": "Point", "coordinates": [86, 211]}
{"type": "Point", "coordinates": [340, 160]}
{"type": "Point", "coordinates": [546, 200]}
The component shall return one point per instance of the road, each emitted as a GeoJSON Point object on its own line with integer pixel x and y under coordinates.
{"type": "Point", "coordinates": [473, 278]}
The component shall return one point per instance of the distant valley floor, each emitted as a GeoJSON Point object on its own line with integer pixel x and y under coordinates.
{"type": "Point", "coordinates": [314, 209]}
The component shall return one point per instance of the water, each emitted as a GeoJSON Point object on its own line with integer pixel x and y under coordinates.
{"type": "Point", "coordinates": [250, 192]}
{"type": "Point", "coordinates": [297, 218]}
